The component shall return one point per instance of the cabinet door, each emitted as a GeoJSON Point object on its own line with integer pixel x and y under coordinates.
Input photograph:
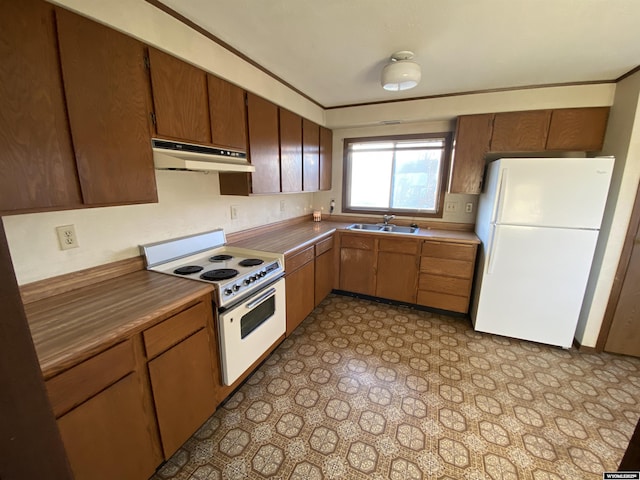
{"type": "Point", "coordinates": [300, 295]}
{"type": "Point", "coordinates": [228, 114]}
{"type": "Point", "coordinates": [311, 156]}
{"type": "Point", "coordinates": [326, 158]}
{"type": "Point", "coordinates": [182, 380]}
{"type": "Point", "coordinates": [397, 270]}
{"type": "Point", "coordinates": [38, 167]}
{"type": "Point", "coordinates": [357, 264]}
{"type": "Point", "coordinates": [290, 151]}
{"type": "Point", "coordinates": [473, 135]}
{"type": "Point", "coordinates": [264, 145]}
{"type": "Point", "coordinates": [520, 131]}
{"type": "Point", "coordinates": [107, 437]}
{"type": "Point", "coordinates": [324, 275]}
{"type": "Point", "coordinates": [108, 99]}
{"type": "Point", "coordinates": [580, 129]}
{"type": "Point", "coordinates": [180, 99]}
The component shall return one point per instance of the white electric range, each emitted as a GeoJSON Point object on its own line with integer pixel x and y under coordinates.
{"type": "Point", "coordinates": [249, 292]}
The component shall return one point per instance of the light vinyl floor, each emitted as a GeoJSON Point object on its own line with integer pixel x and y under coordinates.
{"type": "Point", "coordinates": [365, 390]}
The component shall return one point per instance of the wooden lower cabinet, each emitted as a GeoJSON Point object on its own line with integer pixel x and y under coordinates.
{"type": "Point", "coordinates": [436, 274]}
{"type": "Point", "coordinates": [357, 264]}
{"type": "Point", "coordinates": [300, 287]}
{"type": "Point", "coordinates": [128, 408]}
{"type": "Point", "coordinates": [446, 273]}
{"type": "Point", "coordinates": [107, 437]}
{"type": "Point", "coordinates": [110, 432]}
{"type": "Point", "coordinates": [397, 269]}
{"type": "Point", "coordinates": [184, 393]}
{"type": "Point", "coordinates": [325, 269]}
{"type": "Point", "coordinates": [183, 369]}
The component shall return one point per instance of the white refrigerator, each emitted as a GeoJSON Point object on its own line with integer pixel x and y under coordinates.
{"type": "Point", "coordinates": [538, 220]}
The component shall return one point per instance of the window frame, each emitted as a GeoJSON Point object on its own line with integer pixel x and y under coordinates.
{"type": "Point", "coordinates": [442, 182]}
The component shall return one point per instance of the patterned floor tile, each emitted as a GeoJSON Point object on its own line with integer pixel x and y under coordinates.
{"type": "Point", "coordinates": [365, 390]}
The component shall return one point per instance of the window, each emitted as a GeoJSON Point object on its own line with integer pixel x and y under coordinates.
{"type": "Point", "coordinates": [403, 174]}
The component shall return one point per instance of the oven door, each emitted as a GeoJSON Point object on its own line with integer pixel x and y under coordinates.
{"type": "Point", "coordinates": [248, 329]}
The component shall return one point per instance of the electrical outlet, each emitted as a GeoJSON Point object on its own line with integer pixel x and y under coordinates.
{"type": "Point", "coordinates": [283, 206]}
{"type": "Point", "coordinates": [451, 207]}
{"type": "Point", "coordinates": [468, 208]}
{"type": "Point", "coordinates": [67, 237]}
{"type": "Point", "coordinates": [234, 212]}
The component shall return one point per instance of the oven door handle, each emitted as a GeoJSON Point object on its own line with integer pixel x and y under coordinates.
{"type": "Point", "coordinates": [261, 298]}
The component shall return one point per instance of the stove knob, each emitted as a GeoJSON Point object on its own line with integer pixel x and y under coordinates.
{"type": "Point", "coordinates": [246, 281]}
{"type": "Point", "coordinates": [253, 278]}
{"type": "Point", "coordinates": [227, 291]}
{"type": "Point", "coordinates": [262, 273]}
{"type": "Point", "coordinates": [236, 287]}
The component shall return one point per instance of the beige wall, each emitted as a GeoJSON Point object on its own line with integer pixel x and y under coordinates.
{"type": "Point", "coordinates": [623, 142]}
{"type": "Point", "coordinates": [190, 202]}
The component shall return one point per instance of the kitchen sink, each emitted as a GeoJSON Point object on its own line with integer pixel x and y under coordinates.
{"type": "Point", "coordinates": [399, 229]}
{"type": "Point", "coordinates": [373, 227]}
{"type": "Point", "coordinates": [365, 226]}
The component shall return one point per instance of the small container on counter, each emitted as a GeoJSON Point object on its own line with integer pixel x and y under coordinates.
{"type": "Point", "coordinates": [317, 216]}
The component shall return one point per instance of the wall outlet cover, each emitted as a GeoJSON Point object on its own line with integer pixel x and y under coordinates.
{"type": "Point", "coordinates": [67, 237]}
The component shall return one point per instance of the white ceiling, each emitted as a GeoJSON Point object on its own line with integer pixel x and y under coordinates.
{"type": "Point", "coordinates": [333, 50]}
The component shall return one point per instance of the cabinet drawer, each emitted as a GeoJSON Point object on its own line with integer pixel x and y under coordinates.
{"type": "Point", "coordinates": [324, 245]}
{"type": "Point", "coordinates": [79, 383]}
{"type": "Point", "coordinates": [360, 242]}
{"type": "Point", "coordinates": [450, 285]}
{"type": "Point", "coordinates": [296, 260]}
{"type": "Point", "coordinates": [455, 251]}
{"type": "Point", "coordinates": [163, 336]}
{"type": "Point", "coordinates": [446, 267]}
{"type": "Point", "coordinates": [443, 301]}
{"type": "Point", "coordinates": [398, 245]}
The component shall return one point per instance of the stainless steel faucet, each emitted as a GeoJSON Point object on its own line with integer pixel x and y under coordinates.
{"type": "Point", "coordinates": [386, 218]}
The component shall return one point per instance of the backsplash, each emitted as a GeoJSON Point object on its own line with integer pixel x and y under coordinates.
{"type": "Point", "coordinates": [189, 202]}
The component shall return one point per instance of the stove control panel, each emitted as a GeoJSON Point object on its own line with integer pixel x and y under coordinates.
{"type": "Point", "coordinates": [250, 281]}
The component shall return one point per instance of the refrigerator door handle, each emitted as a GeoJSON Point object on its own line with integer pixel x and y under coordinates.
{"type": "Point", "coordinates": [502, 190]}
{"type": "Point", "coordinates": [493, 247]}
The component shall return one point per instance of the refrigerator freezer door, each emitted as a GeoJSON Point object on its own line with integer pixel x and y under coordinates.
{"type": "Point", "coordinates": [552, 192]}
{"type": "Point", "coordinates": [533, 283]}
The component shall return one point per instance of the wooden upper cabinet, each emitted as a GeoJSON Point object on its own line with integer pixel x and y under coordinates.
{"type": "Point", "coordinates": [290, 151]}
{"type": "Point", "coordinates": [108, 99]}
{"type": "Point", "coordinates": [228, 114]}
{"type": "Point", "coordinates": [180, 98]}
{"type": "Point", "coordinates": [38, 168]}
{"type": "Point", "coordinates": [264, 145]}
{"type": "Point", "coordinates": [326, 158]}
{"type": "Point", "coordinates": [579, 129]}
{"type": "Point", "coordinates": [473, 136]}
{"type": "Point", "coordinates": [311, 156]}
{"type": "Point", "coordinates": [520, 131]}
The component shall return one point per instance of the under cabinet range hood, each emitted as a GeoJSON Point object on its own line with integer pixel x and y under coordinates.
{"type": "Point", "coordinates": [170, 155]}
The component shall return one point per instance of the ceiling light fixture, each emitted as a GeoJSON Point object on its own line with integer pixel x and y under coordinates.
{"type": "Point", "coordinates": [401, 73]}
